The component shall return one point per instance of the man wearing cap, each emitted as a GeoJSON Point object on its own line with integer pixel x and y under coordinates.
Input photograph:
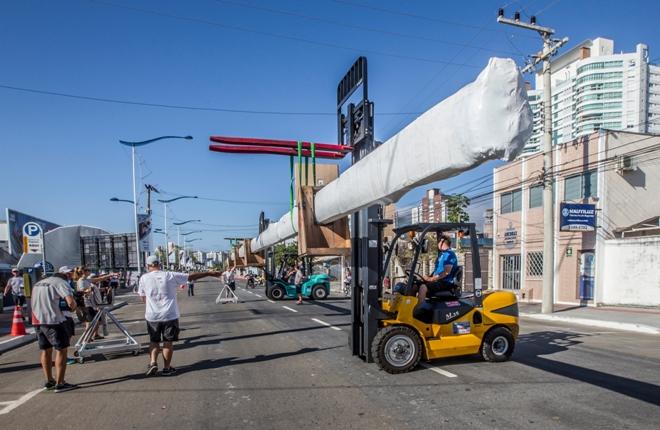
{"type": "Point", "coordinates": [16, 287]}
{"type": "Point", "coordinates": [49, 297]}
{"type": "Point", "coordinates": [158, 291]}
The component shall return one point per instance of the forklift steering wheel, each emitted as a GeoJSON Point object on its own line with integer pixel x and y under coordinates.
{"type": "Point", "coordinates": [416, 276]}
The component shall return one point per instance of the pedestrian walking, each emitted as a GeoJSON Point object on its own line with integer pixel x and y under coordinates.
{"type": "Point", "coordinates": [50, 296]}
{"type": "Point", "coordinates": [92, 298]}
{"type": "Point", "coordinates": [158, 291]}
{"type": "Point", "coordinates": [191, 288]}
{"type": "Point", "coordinates": [16, 287]}
{"type": "Point", "coordinates": [229, 276]}
{"type": "Point", "coordinates": [298, 279]}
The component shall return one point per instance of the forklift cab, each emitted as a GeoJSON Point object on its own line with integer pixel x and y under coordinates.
{"type": "Point", "coordinates": [416, 246]}
{"type": "Point", "coordinates": [278, 286]}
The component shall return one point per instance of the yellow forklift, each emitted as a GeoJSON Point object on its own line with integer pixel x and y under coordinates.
{"type": "Point", "coordinates": [449, 323]}
{"type": "Point", "coordinates": [391, 329]}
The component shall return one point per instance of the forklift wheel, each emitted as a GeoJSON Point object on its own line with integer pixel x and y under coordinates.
{"type": "Point", "coordinates": [319, 292]}
{"type": "Point", "coordinates": [396, 349]}
{"type": "Point", "coordinates": [497, 345]}
{"type": "Point", "coordinates": [277, 293]}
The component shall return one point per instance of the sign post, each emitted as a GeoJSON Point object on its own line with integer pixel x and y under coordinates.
{"type": "Point", "coordinates": [33, 241]}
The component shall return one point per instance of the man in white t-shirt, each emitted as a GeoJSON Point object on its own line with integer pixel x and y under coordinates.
{"type": "Point", "coordinates": [158, 291]}
{"type": "Point", "coordinates": [16, 288]}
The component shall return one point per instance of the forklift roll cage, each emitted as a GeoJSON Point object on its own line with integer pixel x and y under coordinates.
{"type": "Point", "coordinates": [438, 228]}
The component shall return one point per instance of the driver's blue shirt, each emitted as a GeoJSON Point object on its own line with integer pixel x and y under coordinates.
{"type": "Point", "coordinates": [446, 258]}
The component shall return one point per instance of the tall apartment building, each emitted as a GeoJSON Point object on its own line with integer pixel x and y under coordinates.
{"type": "Point", "coordinates": [594, 88]}
{"type": "Point", "coordinates": [432, 208]}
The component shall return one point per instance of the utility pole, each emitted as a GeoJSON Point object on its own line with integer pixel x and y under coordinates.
{"type": "Point", "coordinates": [550, 48]}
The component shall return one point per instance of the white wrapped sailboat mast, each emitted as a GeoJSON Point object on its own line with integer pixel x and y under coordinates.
{"type": "Point", "coordinates": [487, 119]}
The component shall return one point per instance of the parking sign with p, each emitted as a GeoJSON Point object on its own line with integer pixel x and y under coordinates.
{"type": "Point", "coordinates": [32, 238]}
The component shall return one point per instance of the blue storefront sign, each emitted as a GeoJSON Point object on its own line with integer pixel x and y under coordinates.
{"type": "Point", "coordinates": [577, 217]}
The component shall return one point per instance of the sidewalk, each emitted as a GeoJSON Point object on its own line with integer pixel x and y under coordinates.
{"type": "Point", "coordinates": [8, 342]}
{"type": "Point", "coordinates": [636, 320]}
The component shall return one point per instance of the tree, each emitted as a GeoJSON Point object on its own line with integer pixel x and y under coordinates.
{"type": "Point", "coordinates": [288, 253]}
{"type": "Point", "coordinates": [456, 208]}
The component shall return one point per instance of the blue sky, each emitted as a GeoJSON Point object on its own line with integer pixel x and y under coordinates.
{"type": "Point", "coordinates": [61, 157]}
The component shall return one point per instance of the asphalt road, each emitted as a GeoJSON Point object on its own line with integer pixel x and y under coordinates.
{"type": "Point", "coordinates": [258, 364]}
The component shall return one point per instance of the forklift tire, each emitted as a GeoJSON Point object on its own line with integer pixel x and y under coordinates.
{"type": "Point", "coordinates": [277, 293]}
{"type": "Point", "coordinates": [497, 345]}
{"type": "Point", "coordinates": [319, 292]}
{"type": "Point", "coordinates": [396, 349]}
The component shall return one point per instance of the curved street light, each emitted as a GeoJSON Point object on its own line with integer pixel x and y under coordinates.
{"type": "Point", "coordinates": [115, 199]}
{"type": "Point", "coordinates": [186, 222]}
{"type": "Point", "coordinates": [191, 232]}
{"type": "Point", "coordinates": [177, 198]}
{"type": "Point", "coordinates": [165, 202]}
{"type": "Point", "coordinates": [133, 145]}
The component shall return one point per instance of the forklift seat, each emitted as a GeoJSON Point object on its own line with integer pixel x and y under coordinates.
{"type": "Point", "coordinates": [452, 293]}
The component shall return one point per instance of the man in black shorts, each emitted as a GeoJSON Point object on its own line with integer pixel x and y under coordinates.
{"type": "Point", "coordinates": [158, 291]}
{"type": "Point", "coordinates": [49, 297]}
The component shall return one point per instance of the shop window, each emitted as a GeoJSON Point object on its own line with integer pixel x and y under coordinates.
{"type": "Point", "coordinates": [535, 264]}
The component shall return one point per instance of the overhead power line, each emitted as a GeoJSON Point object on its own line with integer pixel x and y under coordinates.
{"type": "Point", "coordinates": [181, 107]}
{"type": "Point", "coordinates": [416, 16]}
{"type": "Point", "coordinates": [360, 27]}
{"type": "Point", "coordinates": [278, 35]}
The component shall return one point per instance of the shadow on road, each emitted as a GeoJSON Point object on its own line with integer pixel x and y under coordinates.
{"type": "Point", "coordinates": [531, 347]}
{"type": "Point", "coordinates": [20, 368]}
{"type": "Point", "coordinates": [233, 361]}
{"type": "Point", "coordinates": [195, 341]}
{"type": "Point", "coordinates": [204, 365]}
{"type": "Point", "coordinates": [338, 309]}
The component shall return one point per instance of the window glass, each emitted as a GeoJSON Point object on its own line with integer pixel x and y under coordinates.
{"type": "Point", "coordinates": [573, 188]}
{"type": "Point", "coordinates": [506, 203]}
{"type": "Point", "coordinates": [536, 196]}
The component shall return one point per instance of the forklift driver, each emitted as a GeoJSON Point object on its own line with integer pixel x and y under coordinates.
{"type": "Point", "coordinates": [446, 267]}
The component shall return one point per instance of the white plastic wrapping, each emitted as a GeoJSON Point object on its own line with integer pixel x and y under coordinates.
{"type": "Point", "coordinates": [485, 120]}
{"type": "Point", "coordinates": [277, 232]}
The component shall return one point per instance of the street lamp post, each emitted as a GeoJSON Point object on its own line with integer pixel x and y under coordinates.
{"type": "Point", "coordinates": [189, 241]}
{"type": "Point", "coordinates": [165, 202]}
{"type": "Point", "coordinates": [133, 145]}
{"type": "Point", "coordinates": [178, 231]}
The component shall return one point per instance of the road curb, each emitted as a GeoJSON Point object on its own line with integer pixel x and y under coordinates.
{"type": "Point", "coordinates": [631, 327]}
{"type": "Point", "coordinates": [16, 342]}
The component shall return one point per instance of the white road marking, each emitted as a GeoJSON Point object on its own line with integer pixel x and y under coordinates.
{"type": "Point", "coordinates": [16, 403]}
{"type": "Point", "coordinates": [289, 309]}
{"type": "Point", "coordinates": [270, 301]}
{"type": "Point", "coordinates": [6, 403]}
{"type": "Point", "coordinates": [326, 324]}
{"type": "Point", "coordinates": [258, 295]}
{"type": "Point", "coordinates": [439, 370]}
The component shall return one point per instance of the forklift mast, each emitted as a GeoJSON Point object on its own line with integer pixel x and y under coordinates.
{"type": "Point", "coordinates": [356, 129]}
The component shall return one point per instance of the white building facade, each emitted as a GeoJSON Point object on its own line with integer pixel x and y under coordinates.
{"type": "Point", "coordinates": [594, 88]}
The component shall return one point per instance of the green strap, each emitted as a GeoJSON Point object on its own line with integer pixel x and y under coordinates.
{"type": "Point", "coordinates": [306, 170]}
{"type": "Point", "coordinates": [291, 196]}
{"type": "Point", "coordinates": [300, 161]}
{"type": "Point", "coordinates": [314, 162]}
{"type": "Point", "coordinates": [293, 180]}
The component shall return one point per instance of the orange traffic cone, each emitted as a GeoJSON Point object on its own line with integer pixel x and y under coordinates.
{"type": "Point", "coordinates": [17, 326]}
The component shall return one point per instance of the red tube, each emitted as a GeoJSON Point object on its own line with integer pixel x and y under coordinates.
{"type": "Point", "coordinates": [279, 143]}
{"type": "Point", "coordinates": [273, 151]}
